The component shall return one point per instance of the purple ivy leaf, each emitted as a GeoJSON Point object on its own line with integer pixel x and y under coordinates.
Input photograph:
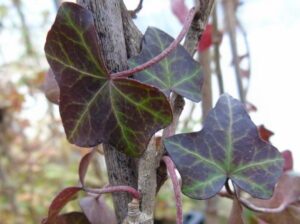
{"type": "Point", "coordinates": [60, 201]}
{"type": "Point", "coordinates": [178, 72]}
{"type": "Point", "coordinates": [228, 146]}
{"type": "Point", "coordinates": [97, 211]}
{"type": "Point", "coordinates": [70, 218]}
{"type": "Point", "coordinates": [95, 108]}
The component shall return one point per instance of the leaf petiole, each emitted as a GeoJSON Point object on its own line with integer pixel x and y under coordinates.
{"type": "Point", "coordinates": [113, 189]}
{"type": "Point", "coordinates": [162, 55]}
{"type": "Point", "coordinates": [176, 187]}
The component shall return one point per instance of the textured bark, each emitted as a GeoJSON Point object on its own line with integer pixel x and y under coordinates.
{"type": "Point", "coordinates": [147, 182]}
{"type": "Point", "coordinates": [108, 21]}
{"type": "Point", "coordinates": [109, 26]}
{"type": "Point", "coordinates": [133, 36]}
{"type": "Point", "coordinates": [204, 8]}
{"type": "Point", "coordinates": [205, 60]}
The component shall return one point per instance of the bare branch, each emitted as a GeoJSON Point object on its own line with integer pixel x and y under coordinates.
{"type": "Point", "coordinates": [218, 69]}
{"type": "Point", "coordinates": [134, 12]}
{"type": "Point", "coordinates": [229, 7]}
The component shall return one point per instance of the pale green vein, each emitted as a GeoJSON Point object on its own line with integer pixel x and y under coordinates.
{"type": "Point", "coordinates": [229, 137]}
{"type": "Point", "coordinates": [203, 184]}
{"type": "Point", "coordinates": [120, 123]}
{"type": "Point", "coordinates": [251, 183]}
{"type": "Point", "coordinates": [74, 68]}
{"type": "Point", "coordinates": [186, 78]}
{"type": "Point", "coordinates": [257, 164]}
{"type": "Point", "coordinates": [138, 105]}
{"type": "Point", "coordinates": [179, 146]}
{"type": "Point", "coordinates": [164, 63]}
{"type": "Point", "coordinates": [149, 73]}
{"type": "Point", "coordinates": [63, 51]}
{"type": "Point", "coordinates": [84, 44]}
{"type": "Point", "coordinates": [86, 110]}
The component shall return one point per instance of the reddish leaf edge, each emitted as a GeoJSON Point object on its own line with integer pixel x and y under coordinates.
{"type": "Point", "coordinates": [176, 188]}
{"type": "Point", "coordinates": [66, 195]}
{"type": "Point", "coordinates": [162, 55]}
{"type": "Point", "coordinates": [84, 165]}
{"type": "Point", "coordinates": [59, 202]}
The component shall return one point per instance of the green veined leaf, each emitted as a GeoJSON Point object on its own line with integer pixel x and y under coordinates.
{"type": "Point", "coordinates": [178, 72]}
{"type": "Point", "coordinates": [94, 108]}
{"type": "Point", "coordinates": [228, 146]}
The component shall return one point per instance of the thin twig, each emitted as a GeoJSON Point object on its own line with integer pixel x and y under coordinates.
{"type": "Point", "coordinates": [176, 187]}
{"type": "Point", "coordinates": [134, 12]}
{"type": "Point", "coordinates": [24, 27]}
{"type": "Point", "coordinates": [162, 55]}
{"type": "Point", "coordinates": [229, 7]}
{"type": "Point", "coordinates": [113, 189]}
{"type": "Point", "coordinates": [218, 69]}
{"type": "Point", "coordinates": [246, 42]}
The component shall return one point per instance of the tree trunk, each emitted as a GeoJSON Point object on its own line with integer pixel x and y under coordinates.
{"type": "Point", "coordinates": [108, 15]}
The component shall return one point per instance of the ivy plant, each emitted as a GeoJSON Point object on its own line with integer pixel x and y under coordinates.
{"type": "Point", "coordinates": [125, 110]}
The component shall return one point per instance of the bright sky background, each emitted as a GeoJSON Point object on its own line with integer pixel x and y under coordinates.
{"type": "Point", "coordinates": [273, 32]}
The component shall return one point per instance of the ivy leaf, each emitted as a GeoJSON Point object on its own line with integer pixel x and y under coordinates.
{"type": "Point", "coordinates": [178, 72]}
{"type": "Point", "coordinates": [228, 146]}
{"type": "Point", "coordinates": [95, 108]}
